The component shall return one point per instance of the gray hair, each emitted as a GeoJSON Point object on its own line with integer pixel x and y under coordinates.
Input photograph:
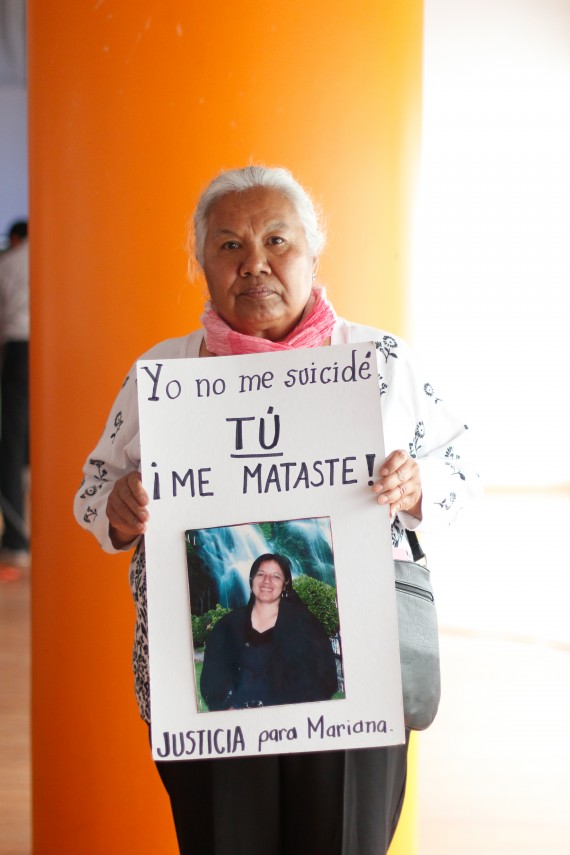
{"type": "Point", "coordinates": [247, 178]}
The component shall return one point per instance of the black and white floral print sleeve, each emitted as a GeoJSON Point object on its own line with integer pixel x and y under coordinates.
{"type": "Point", "coordinates": [418, 418]}
{"type": "Point", "coordinates": [116, 454]}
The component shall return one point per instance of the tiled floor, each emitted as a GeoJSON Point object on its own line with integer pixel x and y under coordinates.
{"type": "Point", "coordinates": [495, 766]}
{"type": "Point", "coordinates": [14, 716]}
{"type": "Point", "coordinates": [494, 769]}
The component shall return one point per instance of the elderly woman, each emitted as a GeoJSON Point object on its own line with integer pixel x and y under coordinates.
{"type": "Point", "coordinates": [258, 240]}
{"type": "Point", "coordinates": [270, 652]}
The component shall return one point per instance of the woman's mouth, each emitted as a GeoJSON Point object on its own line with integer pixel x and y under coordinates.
{"type": "Point", "coordinates": [257, 292]}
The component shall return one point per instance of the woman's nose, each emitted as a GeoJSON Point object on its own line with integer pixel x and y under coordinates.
{"type": "Point", "coordinates": [254, 262]}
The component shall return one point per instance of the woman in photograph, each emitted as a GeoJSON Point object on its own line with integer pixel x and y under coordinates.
{"type": "Point", "coordinates": [272, 651]}
{"type": "Point", "coordinates": [258, 239]}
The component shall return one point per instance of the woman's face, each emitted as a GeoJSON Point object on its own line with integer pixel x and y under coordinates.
{"type": "Point", "coordinates": [268, 583]}
{"type": "Point", "coordinates": [257, 264]}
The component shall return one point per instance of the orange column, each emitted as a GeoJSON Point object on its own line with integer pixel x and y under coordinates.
{"type": "Point", "coordinates": [134, 105]}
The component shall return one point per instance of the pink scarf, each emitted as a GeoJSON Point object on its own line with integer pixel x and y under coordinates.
{"type": "Point", "coordinates": [315, 326]}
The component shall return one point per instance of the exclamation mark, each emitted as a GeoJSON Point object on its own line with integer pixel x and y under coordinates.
{"type": "Point", "coordinates": [370, 461]}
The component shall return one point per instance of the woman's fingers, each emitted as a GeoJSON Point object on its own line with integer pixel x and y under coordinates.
{"type": "Point", "coordinates": [400, 484]}
{"type": "Point", "coordinates": [126, 507]}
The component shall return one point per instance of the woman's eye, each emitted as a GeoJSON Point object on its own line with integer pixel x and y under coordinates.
{"type": "Point", "coordinates": [230, 244]}
{"type": "Point", "coordinates": [276, 240]}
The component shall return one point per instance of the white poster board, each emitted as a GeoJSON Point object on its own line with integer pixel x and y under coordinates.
{"type": "Point", "coordinates": [241, 455]}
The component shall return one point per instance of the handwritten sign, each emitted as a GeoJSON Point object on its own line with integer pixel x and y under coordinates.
{"type": "Point", "coordinates": [274, 455]}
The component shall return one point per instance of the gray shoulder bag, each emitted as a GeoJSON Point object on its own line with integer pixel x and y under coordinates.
{"type": "Point", "coordinates": [419, 646]}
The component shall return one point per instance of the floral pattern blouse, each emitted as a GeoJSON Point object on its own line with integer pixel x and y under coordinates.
{"type": "Point", "coordinates": [415, 416]}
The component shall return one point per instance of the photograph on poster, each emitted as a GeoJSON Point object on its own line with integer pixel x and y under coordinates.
{"type": "Point", "coordinates": [264, 612]}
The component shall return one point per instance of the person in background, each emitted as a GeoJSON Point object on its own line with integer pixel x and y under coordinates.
{"type": "Point", "coordinates": [14, 426]}
{"type": "Point", "coordinates": [258, 239]}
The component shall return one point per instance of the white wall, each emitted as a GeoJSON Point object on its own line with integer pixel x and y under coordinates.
{"type": "Point", "coordinates": [490, 293]}
{"type": "Point", "coordinates": [13, 114]}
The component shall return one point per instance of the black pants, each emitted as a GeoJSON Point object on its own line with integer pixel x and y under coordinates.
{"type": "Point", "coordinates": [14, 443]}
{"type": "Point", "coordinates": [324, 803]}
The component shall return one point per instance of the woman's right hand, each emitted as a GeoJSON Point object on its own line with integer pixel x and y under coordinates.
{"type": "Point", "coordinates": [126, 510]}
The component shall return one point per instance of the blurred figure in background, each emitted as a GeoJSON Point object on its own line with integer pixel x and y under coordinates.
{"type": "Point", "coordinates": [14, 445]}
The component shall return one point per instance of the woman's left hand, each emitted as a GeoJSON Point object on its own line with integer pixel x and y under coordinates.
{"type": "Point", "coordinates": [400, 485]}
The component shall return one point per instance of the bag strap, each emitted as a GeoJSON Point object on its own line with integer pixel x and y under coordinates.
{"type": "Point", "coordinates": [417, 552]}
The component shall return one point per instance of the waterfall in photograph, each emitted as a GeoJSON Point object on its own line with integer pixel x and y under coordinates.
{"type": "Point", "coordinates": [220, 559]}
